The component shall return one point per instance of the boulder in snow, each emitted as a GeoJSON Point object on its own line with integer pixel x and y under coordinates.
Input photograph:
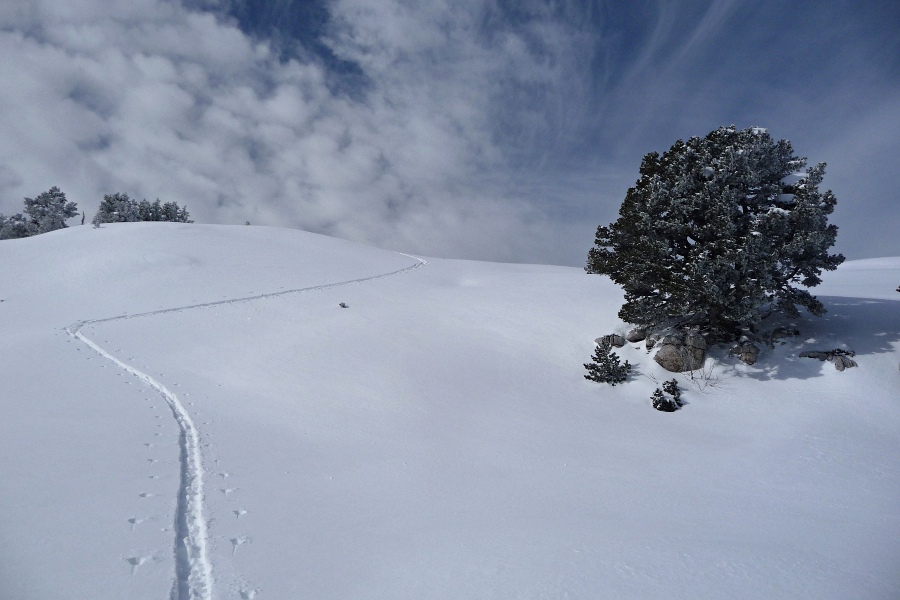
{"type": "Point", "coordinates": [614, 340]}
{"type": "Point", "coordinates": [636, 335]}
{"type": "Point", "coordinates": [842, 362]}
{"type": "Point", "coordinates": [679, 353]}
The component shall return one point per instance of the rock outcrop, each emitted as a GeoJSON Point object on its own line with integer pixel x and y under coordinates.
{"type": "Point", "coordinates": [681, 352]}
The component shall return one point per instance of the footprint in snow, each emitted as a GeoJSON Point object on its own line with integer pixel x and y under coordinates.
{"type": "Point", "coordinates": [227, 491]}
{"type": "Point", "coordinates": [136, 561]}
{"type": "Point", "coordinates": [136, 521]}
{"type": "Point", "coordinates": [239, 513]}
{"type": "Point", "coordinates": [248, 594]}
{"type": "Point", "coordinates": [238, 541]}
{"type": "Point", "coordinates": [146, 494]}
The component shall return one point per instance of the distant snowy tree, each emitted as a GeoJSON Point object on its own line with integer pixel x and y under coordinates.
{"type": "Point", "coordinates": [119, 208]}
{"type": "Point", "coordinates": [116, 208]}
{"type": "Point", "coordinates": [15, 226]}
{"type": "Point", "coordinates": [49, 211]}
{"type": "Point", "coordinates": [713, 233]}
{"type": "Point", "coordinates": [174, 213]}
{"type": "Point", "coordinates": [46, 212]}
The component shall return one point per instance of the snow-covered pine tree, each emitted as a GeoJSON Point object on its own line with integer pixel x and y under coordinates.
{"type": "Point", "coordinates": [174, 213]}
{"type": "Point", "coordinates": [46, 212]}
{"type": "Point", "coordinates": [713, 232]}
{"type": "Point", "coordinates": [149, 212]}
{"type": "Point", "coordinates": [661, 403]}
{"type": "Point", "coordinates": [119, 208]}
{"type": "Point", "coordinates": [49, 210]}
{"type": "Point", "coordinates": [607, 368]}
{"type": "Point", "coordinates": [671, 388]}
{"type": "Point", "coordinates": [15, 226]}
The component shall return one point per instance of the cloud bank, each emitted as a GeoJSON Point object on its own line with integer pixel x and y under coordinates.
{"type": "Point", "coordinates": [474, 129]}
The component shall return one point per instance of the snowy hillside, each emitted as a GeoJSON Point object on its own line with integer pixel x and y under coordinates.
{"type": "Point", "coordinates": [434, 439]}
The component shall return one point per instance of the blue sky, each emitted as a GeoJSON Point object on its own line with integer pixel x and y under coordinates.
{"type": "Point", "coordinates": [480, 129]}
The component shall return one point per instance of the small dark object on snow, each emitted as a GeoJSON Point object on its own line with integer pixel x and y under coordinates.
{"type": "Point", "coordinates": [343, 305]}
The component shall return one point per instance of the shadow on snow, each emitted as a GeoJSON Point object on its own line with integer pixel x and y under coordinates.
{"type": "Point", "coordinates": [863, 325]}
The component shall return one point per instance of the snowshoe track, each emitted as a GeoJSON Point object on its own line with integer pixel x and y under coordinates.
{"type": "Point", "coordinates": [193, 571]}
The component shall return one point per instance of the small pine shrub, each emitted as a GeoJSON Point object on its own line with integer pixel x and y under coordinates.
{"type": "Point", "coordinates": [671, 388]}
{"type": "Point", "coordinates": [607, 368]}
{"type": "Point", "coordinates": [667, 404]}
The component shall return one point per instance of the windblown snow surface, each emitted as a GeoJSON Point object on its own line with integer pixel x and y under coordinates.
{"type": "Point", "coordinates": [188, 413]}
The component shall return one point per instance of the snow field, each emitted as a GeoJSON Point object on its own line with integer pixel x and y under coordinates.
{"type": "Point", "coordinates": [436, 439]}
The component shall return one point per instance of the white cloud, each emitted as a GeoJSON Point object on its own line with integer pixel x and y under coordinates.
{"type": "Point", "coordinates": [483, 130]}
{"type": "Point", "coordinates": [157, 101]}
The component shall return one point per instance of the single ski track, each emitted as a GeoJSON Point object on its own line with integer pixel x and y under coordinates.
{"type": "Point", "coordinates": [193, 571]}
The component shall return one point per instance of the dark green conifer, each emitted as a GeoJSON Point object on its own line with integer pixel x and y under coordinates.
{"type": "Point", "coordinates": [607, 368]}
{"type": "Point", "coordinates": [712, 231]}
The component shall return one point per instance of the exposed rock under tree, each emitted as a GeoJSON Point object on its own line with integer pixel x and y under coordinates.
{"type": "Point", "coordinates": [746, 351]}
{"type": "Point", "coordinates": [840, 358]}
{"type": "Point", "coordinates": [636, 335]}
{"type": "Point", "coordinates": [681, 352]}
{"type": "Point", "coordinates": [614, 340]}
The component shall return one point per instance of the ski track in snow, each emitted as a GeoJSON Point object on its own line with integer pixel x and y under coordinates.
{"type": "Point", "coordinates": [193, 571]}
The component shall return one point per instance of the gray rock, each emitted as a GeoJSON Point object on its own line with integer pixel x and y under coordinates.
{"type": "Point", "coordinates": [636, 335]}
{"type": "Point", "coordinates": [695, 340]}
{"type": "Point", "coordinates": [840, 358]}
{"type": "Point", "coordinates": [673, 338]}
{"type": "Point", "coordinates": [651, 340]}
{"type": "Point", "coordinates": [678, 357]}
{"type": "Point", "coordinates": [614, 340]}
{"type": "Point", "coordinates": [844, 362]}
{"type": "Point", "coordinates": [746, 351]}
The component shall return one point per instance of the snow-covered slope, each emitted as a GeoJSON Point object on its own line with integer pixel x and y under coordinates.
{"type": "Point", "coordinates": [435, 439]}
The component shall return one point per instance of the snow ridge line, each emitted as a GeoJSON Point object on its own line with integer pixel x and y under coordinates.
{"type": "Point", "coordinates": [193, 571]}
